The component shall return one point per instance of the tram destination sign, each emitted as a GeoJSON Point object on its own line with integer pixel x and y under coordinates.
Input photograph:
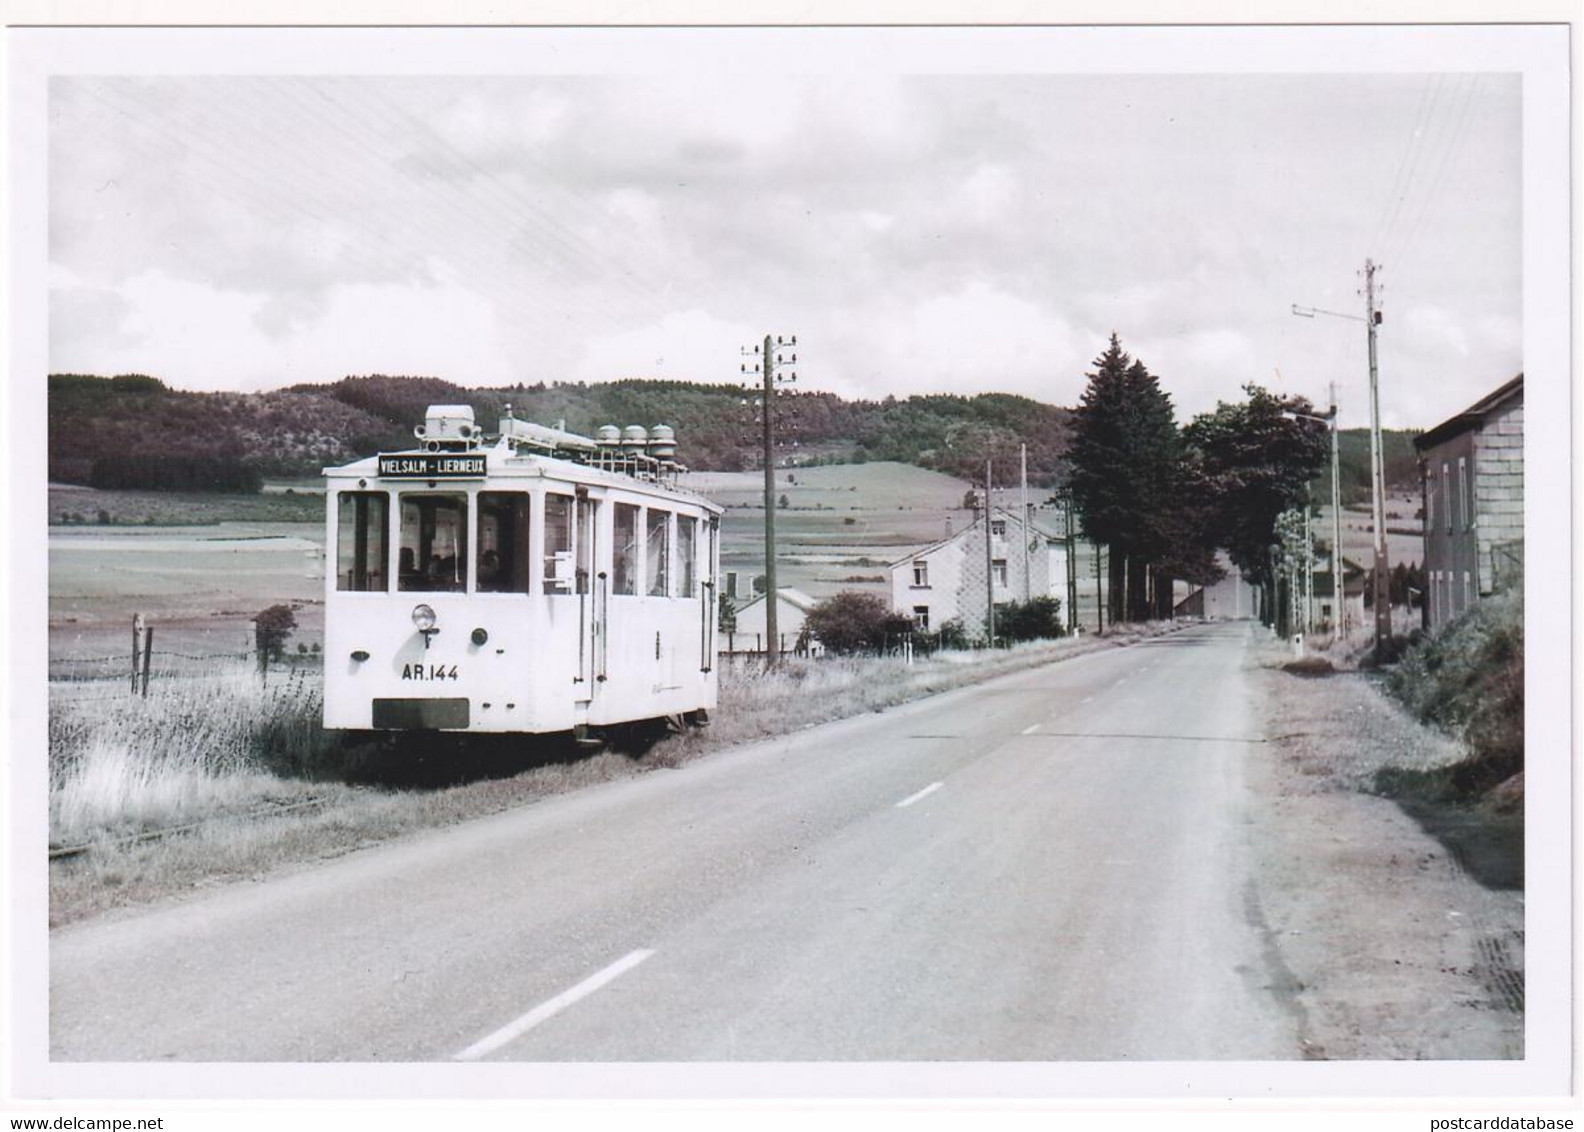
{"type": "Point", "coordinates": [433, 466]}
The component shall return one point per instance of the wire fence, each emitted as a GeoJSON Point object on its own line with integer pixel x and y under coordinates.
{"type": "Point", "coordinates": [127, 673]}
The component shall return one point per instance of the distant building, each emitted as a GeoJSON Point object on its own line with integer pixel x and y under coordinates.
{"type": "Point", "coordinates": [1229, 599]}
{"type": "Point", "coordinates": [1327, 613]}
{"type": "Point", "coordinates": [1471, 477]}
{"type": "Point", "coordinates": [945, 581]}
{"type": "Point", "coordinates": [792, 611]}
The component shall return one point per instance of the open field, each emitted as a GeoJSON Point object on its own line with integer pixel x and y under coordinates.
{"type": "Point", "coordinates": [199, 586]}
{"type": "Point", "coordinates": [1358, 539]}
{"type": "Point", "coordinates": [843, 523]}
{"type": "Point", "coordinates": [71, 505]}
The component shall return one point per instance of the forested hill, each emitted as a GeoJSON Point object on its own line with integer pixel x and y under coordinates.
{"type": "Point", "coordinates": [133, 430]}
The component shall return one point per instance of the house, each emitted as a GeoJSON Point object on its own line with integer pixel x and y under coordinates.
{"type": "Point", "coordinates": [748, 634]}
{"type": "Point", "coordinates": [1471, 479]}
{"type": "Point", "coordinates": [945, 581]}
{"type": "Point", "coordinates": [1325, 612]}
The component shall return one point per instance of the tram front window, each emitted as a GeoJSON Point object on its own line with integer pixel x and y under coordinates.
{"type": "Point", "coordinates": [433, 556]}
{"type": "Point", "coordinates": [503, 556]}
{"type": "Point", "coordinates": [624, 552]}
{"type": "Point", "coordinates": [362, 531]}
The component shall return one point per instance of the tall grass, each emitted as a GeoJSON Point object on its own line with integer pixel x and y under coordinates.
{"type": "Point", "coordinates": [1468, 679]}
{"type": "Point", "coordinates": [121, 763]}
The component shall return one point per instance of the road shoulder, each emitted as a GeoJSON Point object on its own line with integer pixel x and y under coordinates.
{"type": "Point", "coordinates": [1395, 951]}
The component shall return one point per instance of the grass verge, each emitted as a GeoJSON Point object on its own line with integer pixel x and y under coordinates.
{"type": "Point", "coordinates": [255, 786]}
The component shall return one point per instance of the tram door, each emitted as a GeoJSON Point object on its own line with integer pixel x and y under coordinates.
{"type": "Point", "coordinates": [591, 626]}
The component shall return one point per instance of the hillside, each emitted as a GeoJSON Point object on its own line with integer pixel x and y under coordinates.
{"type": "Point", "coordinates": [1402, 473]}
{"type": "Point", "coordinates": [133, 431]}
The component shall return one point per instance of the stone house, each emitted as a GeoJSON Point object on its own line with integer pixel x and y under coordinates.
{"type": "Point", "coordinates": [945, 581]}
{"type": "Point", "coordinates": [1471, 479]}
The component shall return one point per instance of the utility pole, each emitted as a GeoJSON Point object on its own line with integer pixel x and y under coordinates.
{"type": "Point", "coordinates": [1338, 602]}
{"type": "Point", "coordinates": [769, 358]}
{"type": "Point", "coordinates": [1025, 527]}
{"type": "Point", "coordinates": [1377, 470]}
{"type": "Point", "coordinates": [989, 560]}
{"type": "Point", "coordinates": [1382, 572]}
{"type": "Point", "coordinates": [1072, 567]}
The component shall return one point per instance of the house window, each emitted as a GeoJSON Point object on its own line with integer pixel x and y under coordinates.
{"type": "Point", "coordinates": [1446, 491]}
{"type": "Point", "coordinates": [998, 571]}
{"type": "Point", "coordinates": [921, 618]}
{"type": "Point", "coordinates": [1464, 509]}
{"type": "Point", "coordinates": [1468, 590]}
{"type": "Point", "coordinates": [1430, 501]}
{"type": "Point", "coordinates": [998, 528]}
{"type": "Point", "coordinates": [920, 573]}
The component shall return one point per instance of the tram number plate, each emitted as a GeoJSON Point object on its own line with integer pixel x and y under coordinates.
{"type": "Point", "coordinates": [429, 672]}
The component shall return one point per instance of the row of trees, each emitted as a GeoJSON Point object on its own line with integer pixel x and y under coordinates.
{"type": "Point", "coordinates": [1162, 498]}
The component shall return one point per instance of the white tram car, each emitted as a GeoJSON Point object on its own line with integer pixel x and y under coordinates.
{"type": "Point", "coordinates": [542, 582]}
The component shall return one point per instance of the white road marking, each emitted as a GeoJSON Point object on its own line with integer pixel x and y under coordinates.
{"type": "Point", "coordinates": [552, 1007]}
{"type": "Point", "coordinates": [1031, 728]}
{"type": "Point", "coordinates": [924, 793]}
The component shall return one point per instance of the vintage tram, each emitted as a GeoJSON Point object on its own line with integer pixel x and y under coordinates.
{"type": "Point", "coordinates": [534, 581]}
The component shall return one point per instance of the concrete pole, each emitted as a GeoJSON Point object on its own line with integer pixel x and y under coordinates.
{"type": "Point", "coordinates": [1337, 604]}
{"type": "Point", "coordinates": [1377, 472]}
{"type": "Point", "coordinates": [1023, 525]}
{"type": "Point", "coordinates": [771, 636]}
{"type": "Point", "coordinates": [989, 561]}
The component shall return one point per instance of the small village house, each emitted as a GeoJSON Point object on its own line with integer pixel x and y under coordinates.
{"type": "Point", "coordinates": [748, 635]}
{"type": "Point", "coordinates": [1471, 479]}
{"type": "Point", "coordinates": [945, 581]}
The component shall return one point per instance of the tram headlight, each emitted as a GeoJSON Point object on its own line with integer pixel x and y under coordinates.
{"type": "Point", "coordinates": [423, 616]}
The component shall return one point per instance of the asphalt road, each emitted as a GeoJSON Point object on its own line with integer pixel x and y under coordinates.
{"type": "Point", "coordinates": [1054, 865]}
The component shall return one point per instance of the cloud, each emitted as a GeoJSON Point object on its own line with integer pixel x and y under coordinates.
{"type": "Point", "coordinates": [961, 233]}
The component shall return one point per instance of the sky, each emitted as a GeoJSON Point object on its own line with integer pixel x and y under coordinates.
{"type": "Point", "coordinates": [924, 233]}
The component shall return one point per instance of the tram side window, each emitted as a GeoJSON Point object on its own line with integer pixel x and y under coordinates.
{"type": "Point", "coordinates": [433, 554]}
{"type": "Point", "coordinates": [503, 556]}
{"type": "Point", "coordinates": [658, 560]}
{"type": "Point", "coordinates": [558, 544]}
{"type": "Point", "coordinates": [624, 551]}
{"type": "Point", "coordinates": [687, 555]}
{"type": "Point", "coordinates": [362, 533]}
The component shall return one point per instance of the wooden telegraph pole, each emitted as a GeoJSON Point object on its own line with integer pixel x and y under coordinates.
{"type": "Point", "coordinates": [770, 356]}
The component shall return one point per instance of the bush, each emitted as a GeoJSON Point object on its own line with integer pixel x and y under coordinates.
{"type": "Point", "coordinates": [851, 622]}
{"type": "Point", "coordinates": [1037, 619]}
{"type": "Point", "coordinates": [951, 635]}
{"type": "Point", "coordinates": [272, 628]}
{"type": "Point", "coordinates": [1468, 680]}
